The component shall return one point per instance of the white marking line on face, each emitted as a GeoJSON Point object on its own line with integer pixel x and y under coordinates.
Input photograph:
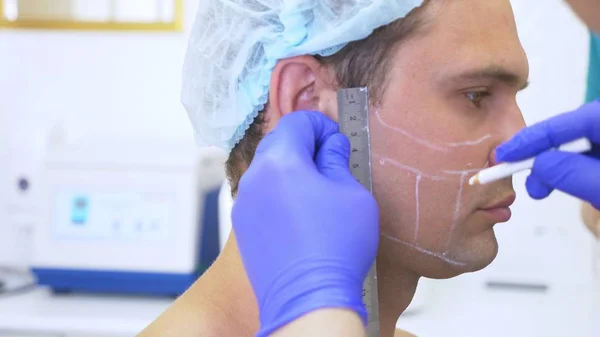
{"type": "Point", "coordinates": [471, 143]}
{"type": "Point", "coordinates": [419, 177]}
{"type": "Point", "coordinates": [460, 173]}
{"type": "Point", "coordinates": [383, 161]}
{"type": "Point", "coordinates": [414, 138]}
{"type": "Point", "coordinates": [463, 177]}
{"type": "Point", "coordinates": [418, 182]}
{"type": "Point", "coordinates": [426, 143]}
{"type": "Point", "coordinates": [470, 171]}
{"type": "Point", "coordinates": [423, 250]}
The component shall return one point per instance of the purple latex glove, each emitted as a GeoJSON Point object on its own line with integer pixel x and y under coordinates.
{"type": "Point", "coordinates": [307, 231]}
{"type": "Point", "coordinates": [575, 174]}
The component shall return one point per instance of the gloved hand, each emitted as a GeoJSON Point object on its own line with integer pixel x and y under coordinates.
{"type": "Point", "coordinates": [307, 231]}
{"type": "Point", "coordinates": [576, 174]}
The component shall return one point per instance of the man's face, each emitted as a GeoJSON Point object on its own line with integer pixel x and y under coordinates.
{"type": "Point", "coordinates": [449, 101]}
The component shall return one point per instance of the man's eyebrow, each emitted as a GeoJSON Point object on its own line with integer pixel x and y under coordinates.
{"type": "Point", "coordinates": [493, 73]}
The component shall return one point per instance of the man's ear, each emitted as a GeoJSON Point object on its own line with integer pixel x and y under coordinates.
{"type": "Point", "coordinates": [301, 83]}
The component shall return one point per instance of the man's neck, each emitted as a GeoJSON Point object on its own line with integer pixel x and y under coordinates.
{"type": "Point", "coordinates": [219, 303]}
{"type": "Point", "coordinates": [232, 296]}
{"type": "Point", "coordinates": [235, 302]}
{"type": "Point", "coordinates": [396, 287]}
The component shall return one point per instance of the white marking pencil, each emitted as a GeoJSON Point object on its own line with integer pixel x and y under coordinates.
{"type": "Point", "coordinates": [506, 170]}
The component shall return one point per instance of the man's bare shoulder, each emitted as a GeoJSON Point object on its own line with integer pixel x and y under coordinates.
{"type": "Point", "coordinates": [402, 333]}
{"type": "Point", "coordinates": [215, 305]}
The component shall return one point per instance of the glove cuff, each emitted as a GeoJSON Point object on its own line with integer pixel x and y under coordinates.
{"type": "Point", "coordinates": [307, 286]}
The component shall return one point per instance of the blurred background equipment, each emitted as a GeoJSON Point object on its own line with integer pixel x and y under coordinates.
{"type": "Point", "coordinates": [126, 216]}
{"type": "Point", "coordinates": [91, 124]}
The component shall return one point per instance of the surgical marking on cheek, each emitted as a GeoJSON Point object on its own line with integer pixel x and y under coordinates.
{"type": "Point", "coordinates": [441, 148]}
{"type": "Point", "coordinates": [419, 175]}
{"type": "Point", "coordinates": [420, 249]}
{"type": "Point", "coordinates": [470, 171]}
{"type": "Point", "coordinates": [463, 178]}
{"type": "Point", "coordinates": [461, 172]}
{"type": "Point", "coordinates": [426, 143]}
{"type": "Point", "coordinates": [471, 143]}
{"type": "Point", "coordinates": [418, 182]}
{"type": "Point", "coordinates": [414, 138]}
{"type": "Point", "coordinates": [383, 161]}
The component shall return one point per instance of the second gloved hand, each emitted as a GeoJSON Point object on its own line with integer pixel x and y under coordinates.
{"type": "Point", "coordinates": [307, 231]}
{"type": "Point", "coordinates": [576, 174]}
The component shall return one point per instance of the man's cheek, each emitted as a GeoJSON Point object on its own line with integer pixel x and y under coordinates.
{"type": "Point", "coordinates": [417, 210]}
{"type": "Point", "coordinates": [440, 211]}
{"type": "Point", "coordinates": [395, 194]}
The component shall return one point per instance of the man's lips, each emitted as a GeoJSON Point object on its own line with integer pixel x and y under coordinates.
{"type": "Point", "coordinates": [504, 203]}
{"type": "Point", "coordinates": [500, 211]}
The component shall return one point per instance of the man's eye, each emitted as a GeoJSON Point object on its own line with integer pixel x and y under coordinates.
{"type": "Point", "coordinates": [476, 97]}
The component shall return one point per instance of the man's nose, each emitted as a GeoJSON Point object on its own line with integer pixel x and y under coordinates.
{"type": "Point", "coordinates": [511, 123]}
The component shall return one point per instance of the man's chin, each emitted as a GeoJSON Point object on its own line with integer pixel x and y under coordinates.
{"type": "Point", "coordinates": [467, 255]}
{"type": "Point", "coordinates": [473, 257]}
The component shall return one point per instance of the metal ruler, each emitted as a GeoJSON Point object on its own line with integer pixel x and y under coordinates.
{"type": "Point", "coordinates": [353, 118]}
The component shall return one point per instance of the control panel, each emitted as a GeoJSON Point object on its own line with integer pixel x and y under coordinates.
{"type": "Point", "coordinates": [110, 215]}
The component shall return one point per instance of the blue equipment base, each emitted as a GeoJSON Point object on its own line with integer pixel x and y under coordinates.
{"type": "Point", "coordinates": [92, 281]}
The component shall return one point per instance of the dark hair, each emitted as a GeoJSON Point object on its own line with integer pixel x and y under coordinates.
{"type": "Point", "coordinates": [360, 63]}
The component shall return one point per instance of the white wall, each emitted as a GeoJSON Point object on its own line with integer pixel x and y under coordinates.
{"type": "Point", "coordinates": [124, 84]}
{"type": "Point", "coordinates": [119, 82]}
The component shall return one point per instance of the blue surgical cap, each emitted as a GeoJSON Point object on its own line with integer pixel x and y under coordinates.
{"type": "Point", "coordinates": [235, 44]}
